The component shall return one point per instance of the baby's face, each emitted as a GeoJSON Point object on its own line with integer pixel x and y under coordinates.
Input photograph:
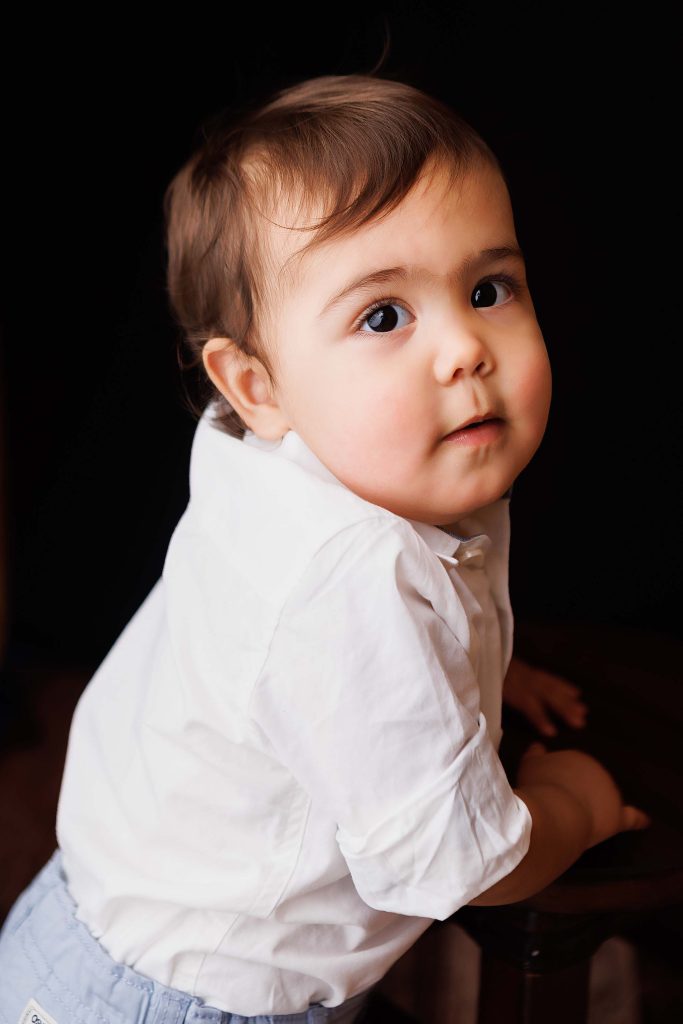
{"type": "Point", "coordinates": [375, 393]}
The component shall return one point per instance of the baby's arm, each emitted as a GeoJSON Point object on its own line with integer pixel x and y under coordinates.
{"type": "Point", "coordinates": [574, 804]}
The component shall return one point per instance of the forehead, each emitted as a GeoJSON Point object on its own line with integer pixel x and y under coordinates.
{"type": "Point", "coordinates": [443, 209]}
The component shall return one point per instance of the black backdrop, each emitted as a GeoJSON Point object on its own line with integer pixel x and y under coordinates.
{"type": "Point", "coordinates": [99, 117]}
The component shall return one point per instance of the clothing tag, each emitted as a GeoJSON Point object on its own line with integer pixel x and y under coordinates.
{"type": "Point", "coordinates": [35, 1014]}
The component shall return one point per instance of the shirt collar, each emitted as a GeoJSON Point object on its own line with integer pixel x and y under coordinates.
{"type": "Point", "coordinates": [293, 447]}
{"type": "Point", "coordinates": [443, 540]}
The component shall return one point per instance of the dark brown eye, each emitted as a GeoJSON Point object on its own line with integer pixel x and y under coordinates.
{"type": "Point", "coordinates": [384, 317]}
{"type": "Point", "coordinates": [486, 293]}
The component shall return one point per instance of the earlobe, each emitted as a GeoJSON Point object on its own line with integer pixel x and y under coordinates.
{"type": "Point", "coordinates": [244, 382]}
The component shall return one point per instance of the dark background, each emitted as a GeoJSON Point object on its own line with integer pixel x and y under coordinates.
{"type": "Point", "coordinates": [579, 107]}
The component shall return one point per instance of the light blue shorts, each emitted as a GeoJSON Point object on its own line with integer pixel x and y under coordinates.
{"type": "Point", "coordinates": [53, 971]}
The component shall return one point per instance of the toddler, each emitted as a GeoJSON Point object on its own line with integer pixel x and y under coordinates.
{"type": "Point", "coordinates": [286, 766]}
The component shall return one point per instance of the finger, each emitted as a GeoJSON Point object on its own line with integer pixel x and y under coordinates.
{"type": "Point", "coordinates": [633, 818]}
{"type": "Point", "coordinates": [575, 715]}
{"type": "Point", "coordinates": [543, 724]}
{"type": "Point", "coordinates": [572, 711]}
{"type": "Point", "coordinates": [554, 696]}
{"type": "Point", "coordinates": [559, 683]}
{"type": "Point", "coordinates": [535, 712]}
{"type": "Point", "coordinates": [535, 748]}
{"type": "Point", "coordinates": [561, 686]}
{"type": "Point", "coordinates": [562, 701]}
{"type": "Point", "coordinates": [571, 688]}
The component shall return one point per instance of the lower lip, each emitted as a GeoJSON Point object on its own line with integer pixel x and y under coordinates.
{"type": "Point", "coordinates": [483, 433]}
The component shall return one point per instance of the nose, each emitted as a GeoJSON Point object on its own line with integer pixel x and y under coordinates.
{"type": "Point", "coordinates": [462, 352]}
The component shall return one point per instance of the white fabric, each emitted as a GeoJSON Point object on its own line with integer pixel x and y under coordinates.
{"type": "Point", "coordinates": [286, 766]}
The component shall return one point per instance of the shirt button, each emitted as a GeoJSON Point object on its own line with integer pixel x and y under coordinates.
{"type": "Point", "coordinates": [473, 558]}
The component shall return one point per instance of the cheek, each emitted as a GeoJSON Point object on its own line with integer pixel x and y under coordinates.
{"type": "Point", "coordinates": [533, 385]}
{"type": "Point", "coordinates": [374, 428]}
{"type": "Point", "coordinates": [368, 399]}
{"type": "Point", "coordinates": [392, 411]}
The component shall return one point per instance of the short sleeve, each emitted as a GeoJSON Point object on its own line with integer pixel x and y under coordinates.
{"type": "Point", "coordinates": [372, 703]}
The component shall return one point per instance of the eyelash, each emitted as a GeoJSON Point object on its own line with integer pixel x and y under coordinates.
{"type": "Point", "coordinates": [513, 283]}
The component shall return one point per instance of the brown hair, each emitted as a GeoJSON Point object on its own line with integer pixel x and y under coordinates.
{"type": "Point", "coordinates": [355, 143]}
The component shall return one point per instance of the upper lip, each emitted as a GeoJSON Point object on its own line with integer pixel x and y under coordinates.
{"type": "Point", "coordinates": [477, 418]}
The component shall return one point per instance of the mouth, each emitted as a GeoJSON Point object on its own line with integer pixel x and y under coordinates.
{"type": "Point", "coordinates": [475, 421]}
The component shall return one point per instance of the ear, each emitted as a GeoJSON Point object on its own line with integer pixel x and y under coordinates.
{"type": "Point", "coordinates": [243, 380]}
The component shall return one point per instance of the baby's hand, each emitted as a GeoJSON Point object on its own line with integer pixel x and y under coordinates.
{"type": "Point", "coordinates": [534, 691]}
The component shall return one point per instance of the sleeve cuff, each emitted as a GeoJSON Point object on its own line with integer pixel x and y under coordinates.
{"type": "Point", "coordinates": [438, 854]}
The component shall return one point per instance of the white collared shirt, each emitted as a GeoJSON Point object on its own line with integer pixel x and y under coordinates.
{"type": "Point", "coordinates": [286, 766]}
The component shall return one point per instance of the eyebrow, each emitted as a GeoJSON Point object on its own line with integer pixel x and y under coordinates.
{"type": "Point", "coordinates": [403, 273]}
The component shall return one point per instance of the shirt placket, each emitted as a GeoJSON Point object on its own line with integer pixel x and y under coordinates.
{"type": "Point", "coordinates": [471, 555]}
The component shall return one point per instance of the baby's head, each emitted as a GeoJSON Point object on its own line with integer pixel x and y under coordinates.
{"type": "Point", "coordinates": [343, 263]}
